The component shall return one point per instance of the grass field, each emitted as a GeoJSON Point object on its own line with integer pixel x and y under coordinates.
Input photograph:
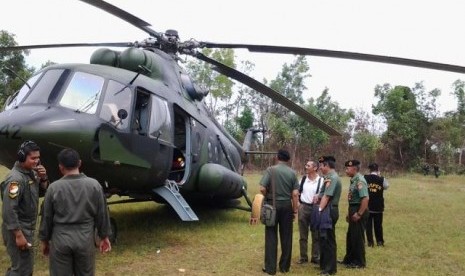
{"type": "Point", "coordinates": [424, 234]}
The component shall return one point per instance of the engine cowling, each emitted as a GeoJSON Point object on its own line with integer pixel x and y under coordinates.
{"type": "Point", "coordinates": [220, 181]}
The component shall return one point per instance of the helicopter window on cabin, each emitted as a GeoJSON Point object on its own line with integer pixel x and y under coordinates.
{"type": "Point", "coordinates": [160, 121]}
{"type": "Point", "coordinates": [19, 96]}
{"type": "Point", "coordinates": [117, 97]}
{"type": "Point", "coordinates": [83, 92]}
{"type": "Point", "coordinates": [141, 113]}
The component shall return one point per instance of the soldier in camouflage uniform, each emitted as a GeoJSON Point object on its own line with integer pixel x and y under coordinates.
{"type": "Point", "coordinates": [356, 217]}
{"type": "Point", "coordinates": [20, 194]}
{"type": "Point", "coordinates": [330, 193]}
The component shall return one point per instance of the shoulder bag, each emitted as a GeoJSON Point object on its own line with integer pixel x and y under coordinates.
{"type": "Point", "coordinates": [268, 211]}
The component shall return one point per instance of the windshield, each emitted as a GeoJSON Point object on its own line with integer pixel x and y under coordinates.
{"type": "Point", "coordinates": [16, 98]}
{"type": "Point", "coordinates": [83, 92]}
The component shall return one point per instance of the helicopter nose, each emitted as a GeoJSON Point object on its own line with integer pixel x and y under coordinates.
{"type": "Point", "coordinates": [44, 125]}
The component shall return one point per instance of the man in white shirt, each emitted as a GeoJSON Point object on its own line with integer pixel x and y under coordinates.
{"type": "Point", "coordinates": [309, 189]}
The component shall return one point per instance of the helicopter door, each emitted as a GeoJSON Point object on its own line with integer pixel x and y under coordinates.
{"type": "Point", "coordinates": [142, 137]}
{"type": "Point", "coordinates": [181, 162]}
{"type": "Point", "coordinates": [141, 114]}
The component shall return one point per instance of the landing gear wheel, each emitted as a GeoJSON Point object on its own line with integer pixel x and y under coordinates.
{"type": "Point", "coordinates": [256, 207]}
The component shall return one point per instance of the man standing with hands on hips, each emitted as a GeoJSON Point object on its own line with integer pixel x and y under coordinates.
{"type": "Point", "coordinates": [309, 189]}
{"type": "Point", "coordinates": [20, 191]}
{"type": "Point", "coordinates": [356, 217]}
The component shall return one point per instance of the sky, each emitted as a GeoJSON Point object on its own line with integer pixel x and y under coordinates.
{"type": "Point", "coordinates": [425, 30]}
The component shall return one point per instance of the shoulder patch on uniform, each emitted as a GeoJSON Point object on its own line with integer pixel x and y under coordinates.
{"type": "Point", "coordinates": [13, 190]}
{"type": "Point", "coordinates": [359, 185]}
{"type": "Point", "coordinates": [327, 182]}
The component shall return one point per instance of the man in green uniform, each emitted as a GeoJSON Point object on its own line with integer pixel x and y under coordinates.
{"type": "Point", "coordinates": [20, 193]}
{"type": "Point", "coordinates": [287, 200]}
{"type": "Point", "coordinates": [330, 194]}
{"type": "Point", "coordinates": [73, 207]}
{"type": "Point", "coordinates": [356, 217]}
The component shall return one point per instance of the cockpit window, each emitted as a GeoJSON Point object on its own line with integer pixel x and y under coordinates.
{"type": "Point", "coordinates": [117, 97]}
{"type": "Point", "coordinates": [16, 98]}
{"type": "Point", "coordinates": [83, 92]}
{"type": "Point", "coordinates": [49, 82]}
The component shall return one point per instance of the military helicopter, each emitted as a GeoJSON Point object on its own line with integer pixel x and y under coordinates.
{"type": "Point", "coordinates": [140, 122]}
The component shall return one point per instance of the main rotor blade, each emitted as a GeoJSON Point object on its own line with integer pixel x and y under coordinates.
{"type": "Point", "coordinates": [267, 91]}
{"type": "Point", "coordinates": [44, 46]}
{"type": "Point", "coordinates": [122, 14]}
{"type": "Point", "coordinates": [339, 54]}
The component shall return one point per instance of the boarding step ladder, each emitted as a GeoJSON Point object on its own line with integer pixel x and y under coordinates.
{"type": "Point", "coordinates": [170, 192]}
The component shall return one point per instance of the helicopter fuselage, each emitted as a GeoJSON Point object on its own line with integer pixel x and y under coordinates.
{"type": "Point", "coordinates": [133, 132]}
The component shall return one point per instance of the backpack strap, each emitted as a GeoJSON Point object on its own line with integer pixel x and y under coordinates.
{"type": "Point", "coordinates": [318, 187]}
{"type": "Point", "coordinates": [302, 181]}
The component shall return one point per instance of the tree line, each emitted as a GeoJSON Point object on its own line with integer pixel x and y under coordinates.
{"type": "Point", "coordinates": [403, 131]}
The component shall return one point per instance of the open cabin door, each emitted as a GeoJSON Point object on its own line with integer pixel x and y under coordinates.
{"type": "Point", "coordinates": [182, 157]}
{"type": "Point", "coordinates": [137, 131]}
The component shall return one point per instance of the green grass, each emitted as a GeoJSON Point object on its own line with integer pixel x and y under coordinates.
{"type": "Point", "coordinates": [423, 225]}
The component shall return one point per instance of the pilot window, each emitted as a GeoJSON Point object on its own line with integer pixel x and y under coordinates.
{"type": "Point", "coordinates": [160, 122]}
{"type": "Point", "coordinates": [19, 96]}
{"type": "Point", "coordinates": [117, 97]}
{"type": "Point", "coordinates": [51, 81]}
{"type": "Point", "coordinates": [83, 92]}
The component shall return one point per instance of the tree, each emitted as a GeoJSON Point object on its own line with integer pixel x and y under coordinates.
{"type": "Point", "coordinates": [218, 85]}
{"type": "Point", "coordinates": [331, 113]}
{"type": "Point", "coordinates": [453, 125]}
{"type": "Point", "coordinates": [239, 126]}
{"type": "Point", "coordinates": [12, 65]}
{"type": "Point", "coordinates": [406, 124]}
{"type": "Point", "coordinates": [459, 93]}
{"type": "Point", "coordinates": [427, 101]}
{"type": "Point", "coordinates": [290, 83]}
{"type": "Point", "coordinates": [365, 138]}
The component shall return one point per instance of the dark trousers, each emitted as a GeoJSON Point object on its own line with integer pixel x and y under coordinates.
{"type": "Point", "coordinates": [328, 246]}
{"type": "Point", "coordinates": [284, 224]}
{"type": "Point", "coordinates": [375, 220]}
{"type": "Point", "coordinates": [305, 211]}
{"type": "Point", "coordinates": [355, 239]}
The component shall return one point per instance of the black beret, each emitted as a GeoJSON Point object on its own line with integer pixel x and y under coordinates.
{"type": "Point", "coordinates": [373, 167]}
{"type": "Point", "coordinates": [352, 163]}
{"type": "Point", "coordinates": [283, 155]}
{"type": "Point", "coordinates": [326, 158]}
